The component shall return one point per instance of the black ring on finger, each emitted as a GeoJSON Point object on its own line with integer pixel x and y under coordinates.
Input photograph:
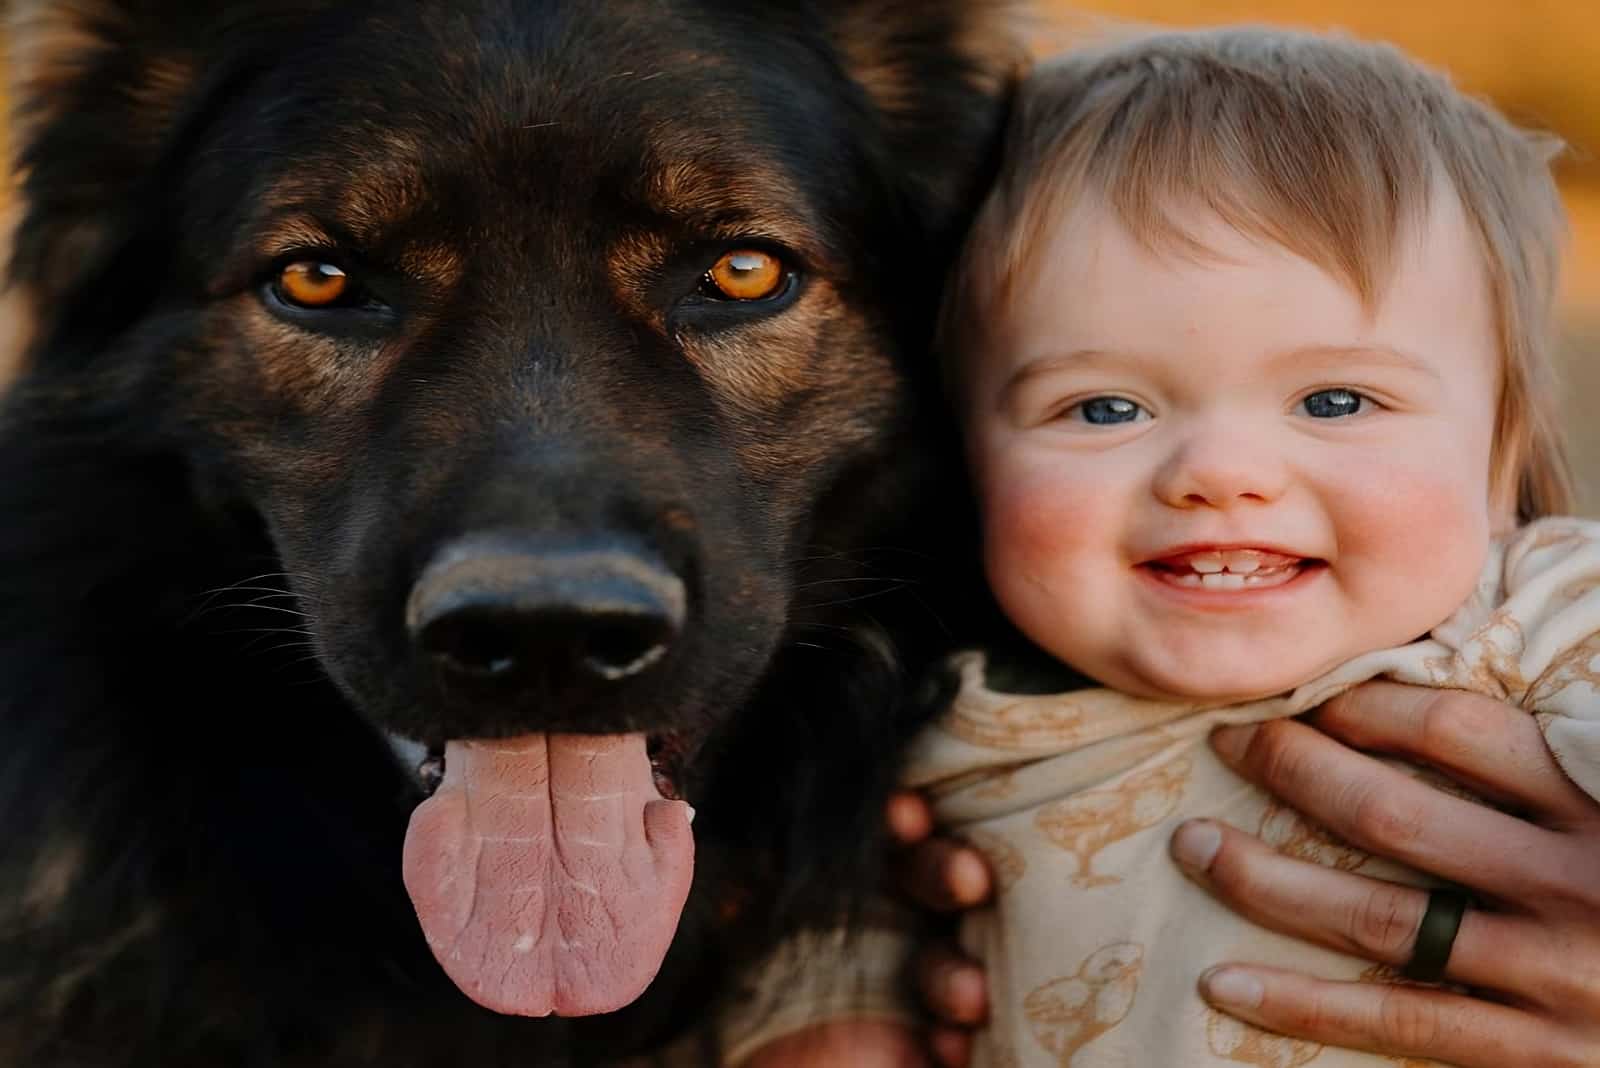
{"type": "Point", "coordinates": [1436, 935]}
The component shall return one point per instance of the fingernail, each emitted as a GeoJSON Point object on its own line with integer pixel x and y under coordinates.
{"type": "Point", "coordinates": [1195, 845]}
{"type": "Point", "coordinates": [1232, 989]}
{"type": "Point", "coordinates": [966, 874]}
{"type": "Point", "coordinates": [1231, 742]}
{"type": "Point", "coordinates": [963, 990]}
{"type": "Point", "coordinates": [959, 983]}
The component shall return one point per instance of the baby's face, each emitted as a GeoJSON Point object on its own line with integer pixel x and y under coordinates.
{"type": "Point", "coordinates": [1217, 479]}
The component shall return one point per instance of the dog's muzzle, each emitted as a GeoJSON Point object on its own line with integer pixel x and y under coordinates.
{"type": "Point", "coordinates": [493, 618]}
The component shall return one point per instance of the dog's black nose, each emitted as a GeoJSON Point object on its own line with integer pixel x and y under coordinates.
{"type": "Point", "coordinates": [496, 618]}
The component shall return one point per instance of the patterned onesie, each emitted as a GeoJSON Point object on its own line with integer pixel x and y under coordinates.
{"type": "Point", "coordinates": [1095, 941]}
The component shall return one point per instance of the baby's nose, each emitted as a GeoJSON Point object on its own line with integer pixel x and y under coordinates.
{"type": "Point", "coordinates": [1221, 468]}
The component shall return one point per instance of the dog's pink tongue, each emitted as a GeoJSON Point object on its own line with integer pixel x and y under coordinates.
{"type": "Point", "coordinates": [549, 873]}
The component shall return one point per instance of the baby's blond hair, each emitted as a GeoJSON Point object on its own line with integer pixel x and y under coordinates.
{"type": "Point", "coordinates": [1327, 146]}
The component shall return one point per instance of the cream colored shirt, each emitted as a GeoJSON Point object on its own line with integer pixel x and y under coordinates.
{"type": "Point", "coordinates": [1095, 941]}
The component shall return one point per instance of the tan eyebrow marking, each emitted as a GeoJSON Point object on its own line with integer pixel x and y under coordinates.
{"type": "Point", "coordinates": [731, 202]}
{"type": "Point", "coordinates": [293, 235]}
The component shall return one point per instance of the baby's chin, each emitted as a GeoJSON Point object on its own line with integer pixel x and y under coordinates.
{"type": "Point", "coordinates": [1213, 684]}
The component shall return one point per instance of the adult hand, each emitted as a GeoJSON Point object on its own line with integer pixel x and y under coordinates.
{"type": "Point", "coordinates": [951, 878]}
{"type": "Point", "coordinates": [944, 876]}
{"type": "Point", "coordinates": [1528, 952]}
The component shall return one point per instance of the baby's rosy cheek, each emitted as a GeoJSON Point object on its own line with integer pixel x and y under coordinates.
{"type": "Point", "coordinates": [1419, 514]}
{"type": "Point", "coordinates": [1037, 522]}
{"type": "Point", "coordinates": [1428, 535]}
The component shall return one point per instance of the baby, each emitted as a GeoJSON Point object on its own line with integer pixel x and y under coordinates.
{"type": "Point", "coordinates": [1250, 343]}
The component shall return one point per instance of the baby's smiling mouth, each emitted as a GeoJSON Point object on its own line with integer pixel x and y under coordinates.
{"type": "Point", "coordinates": [1229, 569]}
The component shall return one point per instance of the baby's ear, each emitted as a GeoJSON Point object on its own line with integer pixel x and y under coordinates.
{"type": "Point", "coordinates": [939, 73]}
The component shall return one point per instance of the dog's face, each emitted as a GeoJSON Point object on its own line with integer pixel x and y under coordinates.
{"type": "Point", "coordinates": [544, 338]}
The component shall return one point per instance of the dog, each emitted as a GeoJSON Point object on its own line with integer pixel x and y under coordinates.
{"type": "Point", "coordinates": [456, 438]}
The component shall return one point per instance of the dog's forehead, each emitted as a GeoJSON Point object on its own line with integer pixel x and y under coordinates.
{"type": "Point", "coordinates": [561, 106]}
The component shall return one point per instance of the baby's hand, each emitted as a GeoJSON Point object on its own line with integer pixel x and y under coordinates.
{"type": "Point", "coordinates": [858, 1043]}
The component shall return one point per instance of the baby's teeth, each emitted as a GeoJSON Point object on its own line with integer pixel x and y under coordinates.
{"type": "Point", "coordinates": [1206, 565]}
{"type": "Point", "coordinates": [1222, 582]}
{"type": "Point", "coordinates": [1244, 565]}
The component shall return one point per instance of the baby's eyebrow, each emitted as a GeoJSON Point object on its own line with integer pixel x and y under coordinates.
{"type": "Point", "coordinates": [1077, 358]}
{"type": "Point", "coordinates": [1373, 354]}
{"type": "Point", "coordinates": [1053, 363]}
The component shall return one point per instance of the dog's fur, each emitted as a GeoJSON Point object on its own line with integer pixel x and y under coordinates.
{"type": "Point", "coordinates": [211, 508]}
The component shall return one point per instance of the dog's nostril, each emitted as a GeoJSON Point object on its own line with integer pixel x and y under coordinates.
{"type": "Point", "coordinates": [624, 649]}
{"type": "Point", "coordinates": [549, 622]}
{"type": "Point", "coordinates": [497, 645]}
{"type": "Point", "coordinates": [481, 645]}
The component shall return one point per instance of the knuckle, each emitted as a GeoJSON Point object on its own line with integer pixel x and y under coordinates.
{"type": "Point", "coordinates": [1568, 880]}
{"type": "Point", "coordinates": [1576, 984]}
{"type": "Point", "coordinates": [1319, 1017]}
{"type": "Point", "coordinates": [1384, 922]}
{"type": "Point", "coordinates": [1376, 817]}
{"type": "Point", "coordinates": [1446, 724]}
{"type": "Point", "coordinates": [1407, 1022]}
{"type": "Point", "coordinates": [1275, 754]}
{"type": "Point", "coordinates": [1351, 714]}
{"type": "Point", "coordinates": [1234, 872]}
{"type": "Point", "coordinates": [1569, 1055]}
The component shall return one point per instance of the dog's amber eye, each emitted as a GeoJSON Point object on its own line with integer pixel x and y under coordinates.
{"type": "Point", "coordinates": [747, 274]}
{"type": "Point", "coordinates": [312, 284]}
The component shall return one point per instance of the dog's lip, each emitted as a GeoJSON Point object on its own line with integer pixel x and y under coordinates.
{"type": "Point", "coordinates": [408, 752]}
{"type": "Point", "coordinates": [670, 752]}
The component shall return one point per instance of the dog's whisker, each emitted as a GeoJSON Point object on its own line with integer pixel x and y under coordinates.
{"type": "Point", "coordinates": [297, 613]}
{"type": "Point", "coordinates": [857, 599]}
{"type": "Point", "coordinates": [209, 598]}
{"type": "Point", "coordinates": [269, 630]}
{"type": "Point", "coordinates": [265, 590]}
{"type": "Point", "coordinates": [890, 584]}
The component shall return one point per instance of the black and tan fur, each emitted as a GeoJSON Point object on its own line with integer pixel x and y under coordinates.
{"type": "Point", "coordinates": [211, 509]}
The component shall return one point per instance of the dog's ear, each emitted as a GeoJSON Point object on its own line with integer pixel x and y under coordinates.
{"type": "Point", "coordinates": [939, 72]}
{"type": "Point", "coordinates": [99, 90]}
{"type": "Point", "coordinates": [96, 89]}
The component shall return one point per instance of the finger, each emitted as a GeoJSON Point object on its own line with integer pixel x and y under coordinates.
{"type": "Point", "coordinates": [944, 875]}
{"type": "Point", "coordinates": [1488, 745]}
{"type": "Point", "coordinates": [857, 1042]}
{"type": "Point", "coordinates": [1354, 914]}
{"type": "Point", "coordinates": [909, 818]}
{"type": "Point", "coordinates": [952, 1047]}
{"type": "Point", "coordinates": [1389, 813]}
{"type": "Point", "coordinates": [952, 986]}
{"type": "Point", "coordinates": [1401, 1021]}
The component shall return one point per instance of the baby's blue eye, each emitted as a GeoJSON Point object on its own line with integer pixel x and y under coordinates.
{"type": "Point", "coordinates": [1109, 411]}
{"type": "Point", "coordinates": [1333, 403]}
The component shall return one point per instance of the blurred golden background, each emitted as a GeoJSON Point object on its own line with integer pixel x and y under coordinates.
{"type": "Point", "coordinates": [1538, 59]}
